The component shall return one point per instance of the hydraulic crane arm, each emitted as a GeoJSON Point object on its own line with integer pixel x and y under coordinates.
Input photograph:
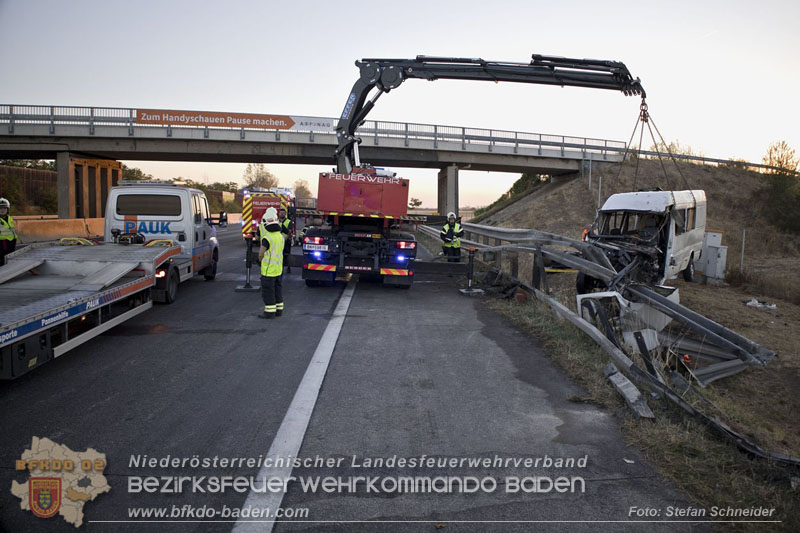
{"type": "Point", "coordinates": [387, 74]}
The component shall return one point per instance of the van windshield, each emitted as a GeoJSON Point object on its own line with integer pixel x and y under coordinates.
{"type": "Point", "coordinates": [149, 204]}
{"type": "Point", "coordinates": [629, 223]}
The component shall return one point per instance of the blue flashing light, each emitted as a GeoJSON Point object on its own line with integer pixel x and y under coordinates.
{"type": "Point", "coordinates": [401, 258]}
{"type": "Point", "coordinates": [318, 255]}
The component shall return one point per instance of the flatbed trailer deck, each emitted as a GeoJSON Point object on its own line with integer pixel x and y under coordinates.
{"type": "Point", "coordinates": [55, 297]}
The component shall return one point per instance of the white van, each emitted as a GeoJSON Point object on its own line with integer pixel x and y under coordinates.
{"type": "Point", "coordinates": [142, 211]}
{"type": "Point", "coordinates": [663, 228]}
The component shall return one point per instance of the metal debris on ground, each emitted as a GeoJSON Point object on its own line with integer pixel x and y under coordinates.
{"type": "Point", "coordinates": [661, 345]}
{"type": "Point", "coordinates": [758, 304]}
{"type": "Point", "coordinates": [628, 390]}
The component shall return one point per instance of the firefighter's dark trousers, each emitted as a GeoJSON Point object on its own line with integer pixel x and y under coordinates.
{"type": "Point", "coordinates": [452, 253]}
{"type": "Point", "coordinates": [272, 293]}
{"type": "Point", "coordinates": [287, 251]}
{"type": "Point", "coordinates": [6, 247]}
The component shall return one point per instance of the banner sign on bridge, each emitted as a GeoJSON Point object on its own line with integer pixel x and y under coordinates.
{"type": "Point", "coordinates": [221, 119]}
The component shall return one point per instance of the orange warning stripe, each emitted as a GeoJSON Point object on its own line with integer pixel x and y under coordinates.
{"type": "Point", "coordinates": [324, 268]}
{"type": "Point", "coordinates": [394, 271]}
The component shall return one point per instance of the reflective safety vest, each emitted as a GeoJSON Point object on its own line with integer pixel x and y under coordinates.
{"type": "Point", "coordinates": [456, 242]}
{"type": "Point", "coordinates": [272, 263]}
{"type": "Point", "coordinates": [287, 225]}
{"type": "Point", "coordinates": [7, 229]}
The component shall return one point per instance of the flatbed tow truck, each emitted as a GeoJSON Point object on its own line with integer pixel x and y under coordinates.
{"type": "Point", "coordinates": [55, 296]}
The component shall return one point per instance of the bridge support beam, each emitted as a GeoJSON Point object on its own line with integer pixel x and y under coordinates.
{"type": "Point", "coordinates": [448, 190]}
{"type": "Point", "coordinates": [83, 185]}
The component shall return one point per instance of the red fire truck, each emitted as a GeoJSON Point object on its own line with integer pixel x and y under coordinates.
{"type": "Point", "coordinates": [256, 201]}
{"type": "Point", "coordinates": [361, 216]}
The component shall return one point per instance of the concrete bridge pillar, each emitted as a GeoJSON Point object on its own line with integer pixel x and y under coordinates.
{"type": "Point", "coordinates": [64, 189]}
{"type": "Point", "coordinates": [448, 190]}
{"type": "Point", "coordinates": [83, 185]}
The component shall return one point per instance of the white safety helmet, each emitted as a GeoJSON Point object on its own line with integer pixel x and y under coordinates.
{"type": "Point", "coordinates": [451, 214]}
{"type": "Point", "coordinates": [270, 216]}
{"type": "Point", "coordinates": [5, 203]}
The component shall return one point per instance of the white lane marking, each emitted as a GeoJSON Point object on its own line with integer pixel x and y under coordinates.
{"type": "Point", "coordinates": [295, 423]}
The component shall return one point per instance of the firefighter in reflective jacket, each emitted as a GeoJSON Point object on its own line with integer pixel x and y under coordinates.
{"type": "Point", "coordinates": [270, 254]}
{"type": "Point", "coordinates": [8, 232]}
{"type": "Point", "coordinates": [286, 229]}
{"type": "Point", "coordinates": [451, 238]}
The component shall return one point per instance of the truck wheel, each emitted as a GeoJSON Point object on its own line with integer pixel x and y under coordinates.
{"type": "Point", "coordinates": [210, 272]}
{"type": "Point", "coordinates": [688, 272]}
{"type": "Point", "coordinates": [171, 292]}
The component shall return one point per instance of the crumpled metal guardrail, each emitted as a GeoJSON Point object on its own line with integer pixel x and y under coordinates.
{"type": "Point", "coordinates": [740, 350]}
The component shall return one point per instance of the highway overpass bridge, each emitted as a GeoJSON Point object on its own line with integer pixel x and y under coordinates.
{"type": "Point", "coordinates": [66, 133]}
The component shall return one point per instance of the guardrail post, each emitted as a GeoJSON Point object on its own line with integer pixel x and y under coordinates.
{"type": "Point", "coordinates": [513, 258]}
{"type": "Point", "coordinates": [562, 145]}
{"type": "Point", "coordinates": [539, 276]}
{"type": "Point", "coordinates": [169, 131]}
{"type": "Point", "coordinates": [130, 123]}
{"type": "Point", "coordinates": [499, 254]}
{"type": "Point", "coordinates": [516, 142]}
{"type": "Point", "coordinates": [11, 119]}
{"type": "Point", "coordinates": [470, 267]}
{"type": "Point", "coordinates": [52, 120]}
{"type": "Point", "coordinates": [584, 147]}
{"type": "Point", "coordinates": [406, 135]}
{"type": "Point", "coordinates": [435, 137]}
{"type": "Point", "coordinates": [491, 140]}
{"type": "Point", "coordinates": [91, 121]}
{"type": "Point", "coordinates": [605, 149]}
{"type": "Point", "coordinates": [540, 144]}
{"type": "Point", "coordinates": [311, 136]}
{"type": "Point", "coordinates": [277, 135]}
{"type": "Point", "coordinates": [463, 138]}
{"type": "Point", "coordinates": [205, 132]}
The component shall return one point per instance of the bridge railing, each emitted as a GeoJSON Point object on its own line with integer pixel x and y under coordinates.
{"type": "Point", "coordinates": [372, 131]}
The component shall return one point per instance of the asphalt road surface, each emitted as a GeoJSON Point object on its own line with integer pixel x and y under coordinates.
{"type": "Point", "coordinates": [413, 373]}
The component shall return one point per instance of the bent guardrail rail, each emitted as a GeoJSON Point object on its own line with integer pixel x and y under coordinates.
{"type": "Point", "coordinates": [737, 351]}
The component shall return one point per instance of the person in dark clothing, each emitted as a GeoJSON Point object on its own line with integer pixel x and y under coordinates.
{"type": "Point", "coordinates": [286, 229]}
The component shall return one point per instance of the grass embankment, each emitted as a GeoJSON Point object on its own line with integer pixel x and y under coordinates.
{"type": "Point", "coordinates": [708, 469]}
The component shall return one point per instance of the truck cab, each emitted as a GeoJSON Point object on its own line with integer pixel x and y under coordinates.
{"type": "Point", "coordinates": [662, 230]}
{"type": "Point", "coordinates": [139, 212]}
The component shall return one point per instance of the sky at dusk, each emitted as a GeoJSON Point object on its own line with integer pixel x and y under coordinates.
{"type": "Point", "coordinates": [721, 77]}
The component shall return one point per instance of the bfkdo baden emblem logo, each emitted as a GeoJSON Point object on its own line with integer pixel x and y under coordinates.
{"type": "Point", "coordinates": [44, 496]}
